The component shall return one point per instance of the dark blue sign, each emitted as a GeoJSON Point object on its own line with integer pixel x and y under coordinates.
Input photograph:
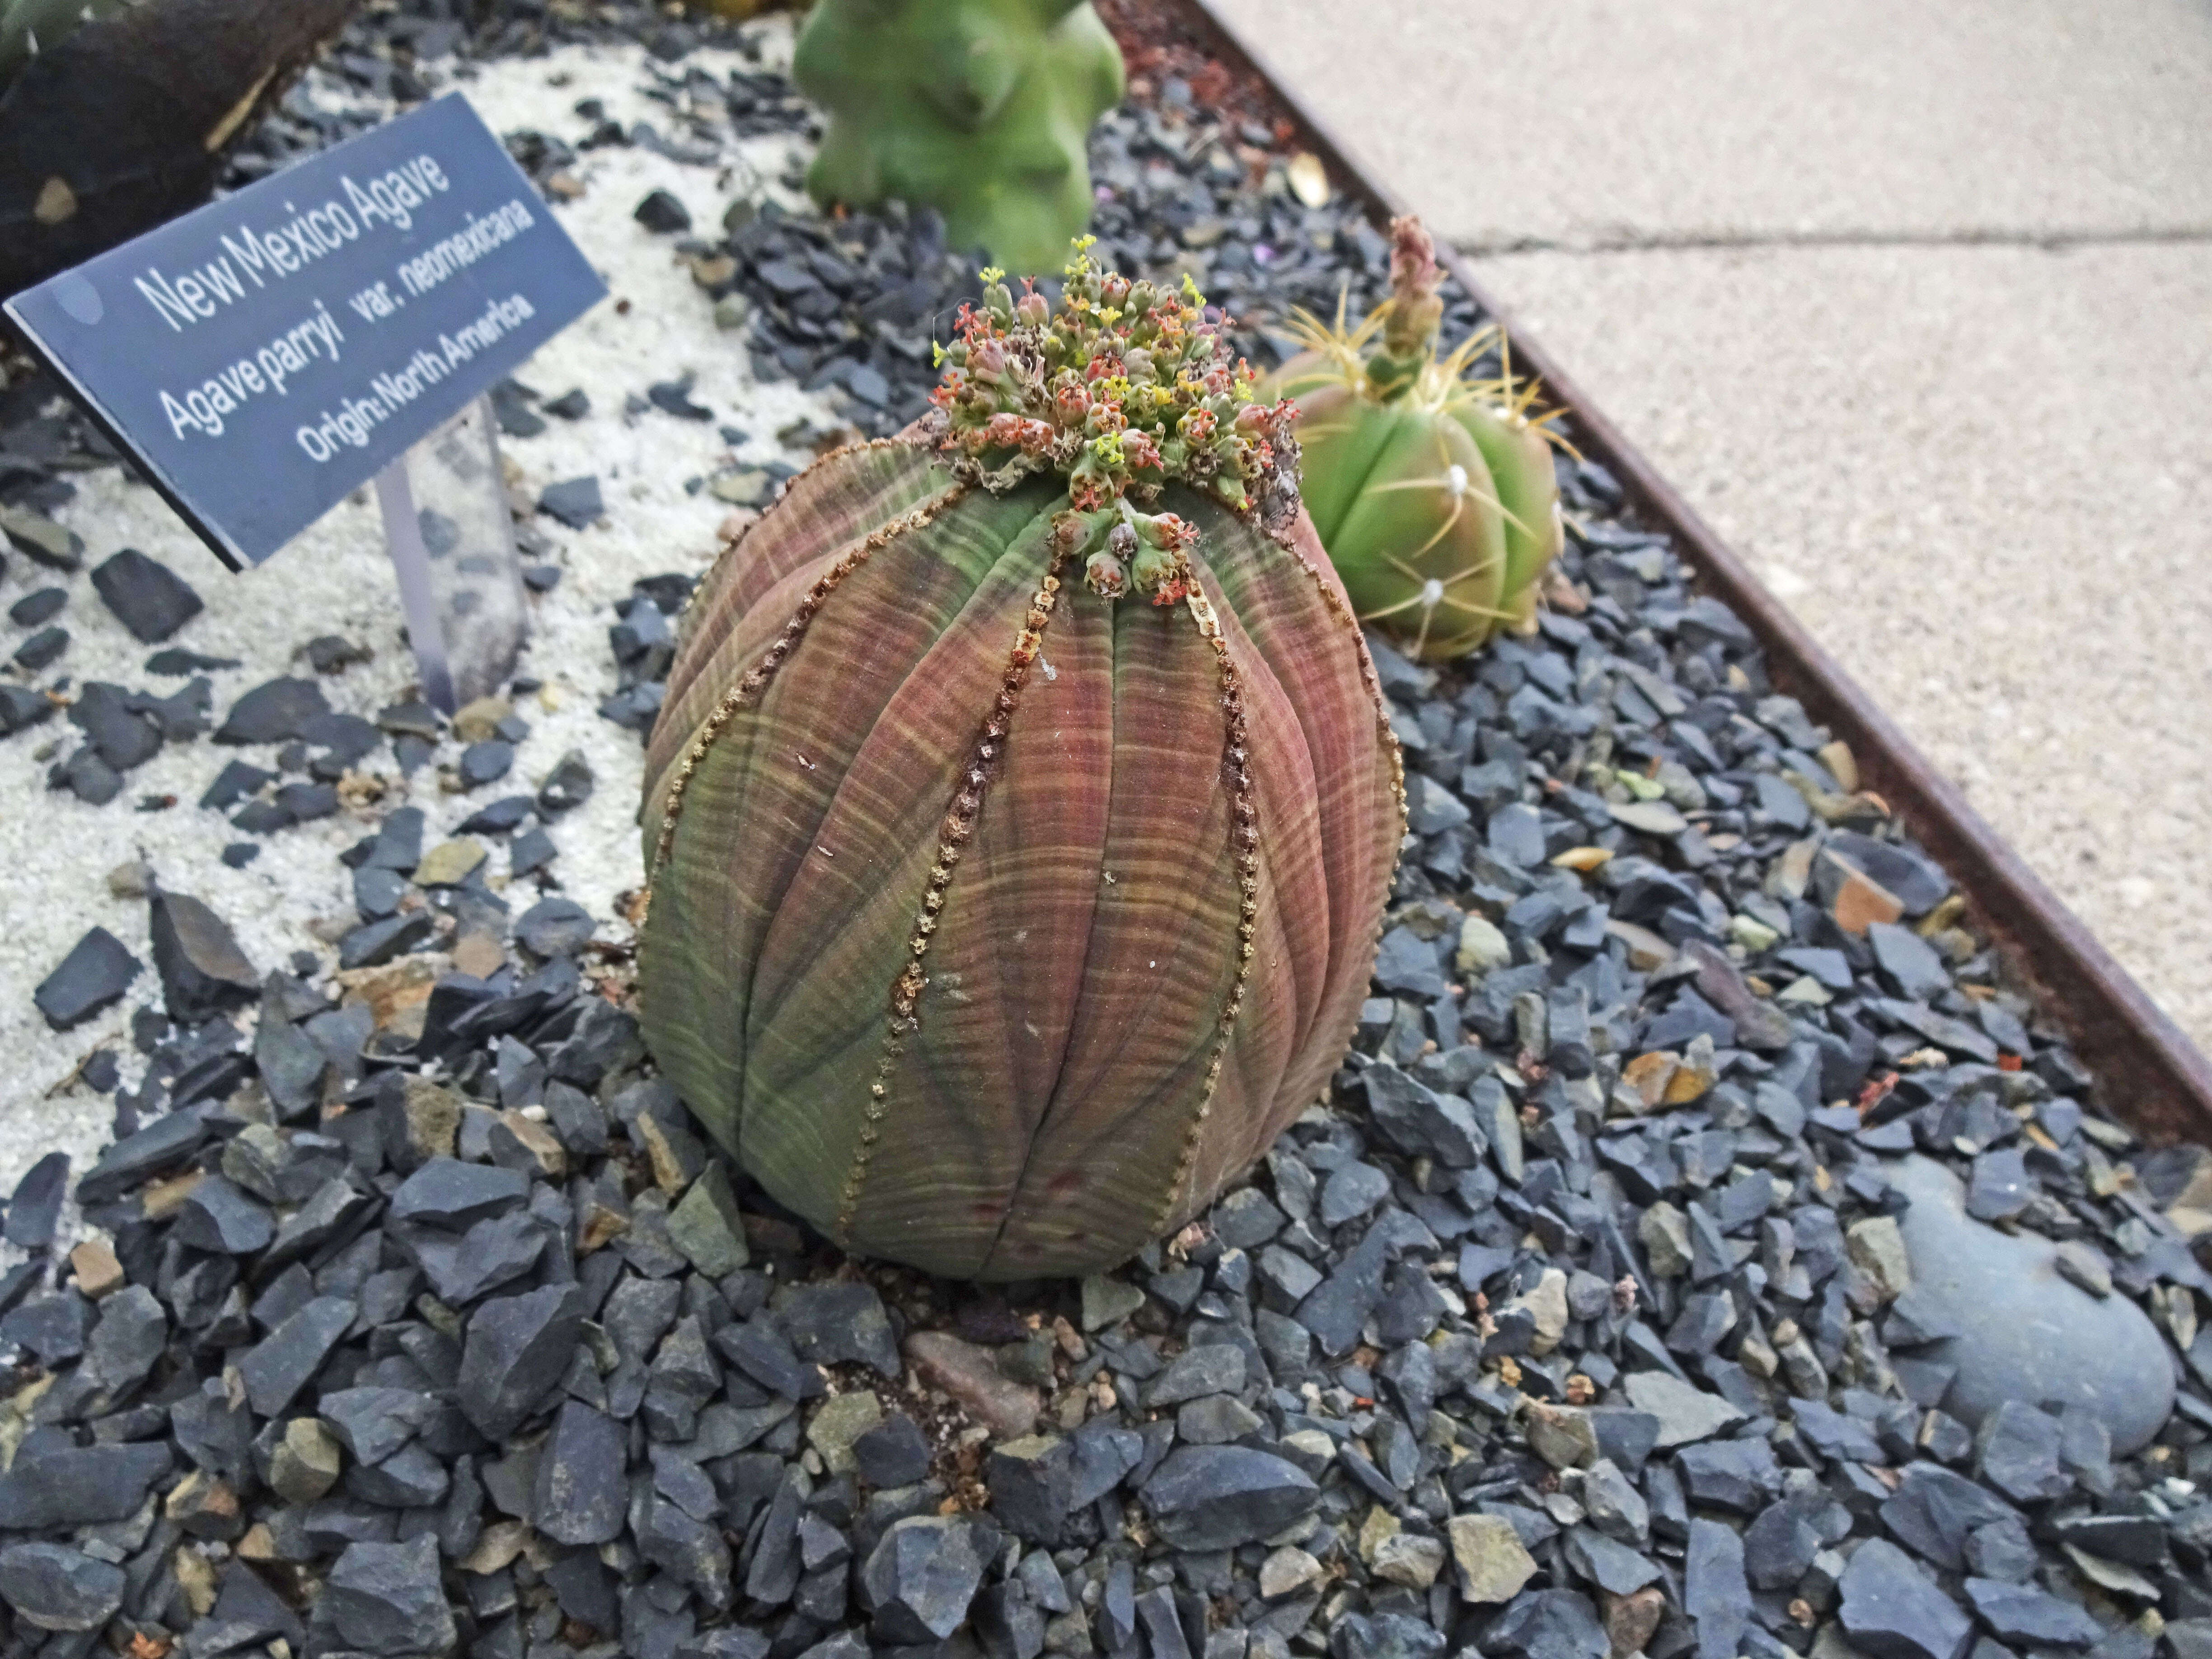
{"type": "Point", "coordinates": [266, 354]}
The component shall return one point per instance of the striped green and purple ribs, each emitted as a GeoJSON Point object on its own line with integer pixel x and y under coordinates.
{"type": "Point", "coordinates": [998, 918]}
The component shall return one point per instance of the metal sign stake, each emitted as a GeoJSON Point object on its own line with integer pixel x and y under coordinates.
{"type": "Point", "coordinates": [452, 541]}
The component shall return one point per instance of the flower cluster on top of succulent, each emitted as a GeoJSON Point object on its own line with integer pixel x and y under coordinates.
{"type": "Point", "coordinates": [1127, 388]}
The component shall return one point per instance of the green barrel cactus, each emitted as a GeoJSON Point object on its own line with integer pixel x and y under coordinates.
{"type": "Point", "coordinates": [1432, 491]}
{"type": "Point", "coordinates": [980, 108]}
{"type": "Point", "coordinates": [995, 919]}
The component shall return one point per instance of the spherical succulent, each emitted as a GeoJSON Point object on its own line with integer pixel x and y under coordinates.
{"type": "Point", "coordinates": [1432, 490]}
{"type": "Point", "coordinates": [996, 919]}
{"type": "Point", "coordinates": [980, 108]}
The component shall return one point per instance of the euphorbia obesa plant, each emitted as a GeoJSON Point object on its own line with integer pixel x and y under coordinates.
{"type": "Point", "coordinates": [980, 108]}
{"type": "Point", "coordinates": [1432, 490]}
{"type": "Point", "coordinates": [997, 916]}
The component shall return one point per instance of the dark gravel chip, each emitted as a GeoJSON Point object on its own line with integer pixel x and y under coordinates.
{"type": "Point", "coordinates": [86, 776]}
{"type": "Point", "coordinates": [177, 661]}
{"type": "Point", "coordinates": [22, 707]}
{"type": "Point", "coordinates": [219, 1216]}
{"type": "Point", "coordinates": [839, 1324]}
{"type": "Point", "coordinates": [1892, 1610]}
{"type": "Point", "coordinates": [567, 787]}
{"type": "Point", "coordinates": [204, 973]}
{"type": "Point", "coordinates": [1213, 1497]}
{"type": "Point", "coordinates": [57, 1589]}
{"type": "Point", "coordinates": [378, 942]}
{"type": "Point", "coordinates": [35, 610]}
{"type": "Point", "coordinates": [583, 1491]}
{"type": "Point", "coordinates": [124, 737]}
{"type": "Point", "coordinates": [448, 1194]}
{"type": "Point", "coordinates": [38, 651]}
{"type": "Point", "coordinates": [920, 1578]}
{"type": "Point", "coordinates": [93, 976]}
{"type": "Point", "coordinates": [36, 1205]}
{"type": "Point", "coordinates": [237, 781]}
{"type": "Point", "coordinates": [153, 1149]}
{"type": "Point", "coordinates": [498, 818]}
{"type": "Point", "coordinates": [272, 712]}
{"type": "Point", "coordinates": [662, 214]}
{"type": "Point", "coordinates": [2023, 1613]}
{"type": "Point", "coordinates": [281, 1363]}
{"type": "Point", "coordinates": [555, 927]}
{"type": "Point", "coordinates": [486, 762]}
{"type": "Point", "coordinates": [41, 539]}
{"type": "Point", "coordinates": [386, 1598]}
{"type": "Point", "coordinates": [892, 1454]}
{"type": "Point", "coordinates": [79, 1485]}
{"type": "Point", "coordinates": [516, 1351]}
{"type": "Point", "coordinates": [574, 502]}
{"type": "Point", "coordinates": [147, 597]}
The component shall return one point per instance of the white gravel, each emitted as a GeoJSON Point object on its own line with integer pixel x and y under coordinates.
{"type": "Point", "coordinates": [56, 853]}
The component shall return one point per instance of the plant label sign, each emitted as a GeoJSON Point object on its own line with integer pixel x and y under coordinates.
{"type": "Point", "coordinates": [265, 355]}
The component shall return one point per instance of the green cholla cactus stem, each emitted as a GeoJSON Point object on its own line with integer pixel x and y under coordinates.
{"type": "Point", "coordinates": [1432, 491]}
{"type": "Point", "coordinates": [979, 108]}
{"type": "Point", "coordinates": [994, 925]}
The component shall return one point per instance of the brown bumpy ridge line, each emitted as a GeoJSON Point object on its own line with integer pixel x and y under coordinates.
{"type": "Point", "coordinates": [762, 671]}
{"type": "Point", "coordinates": [687, 619]}
{"type": "Point", "coordinates": [958, 825]}
{"type": "Point", "coordinates": [1244, 847]}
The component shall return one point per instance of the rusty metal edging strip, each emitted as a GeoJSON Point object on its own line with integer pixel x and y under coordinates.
{"type": "Point", "coordinates": [2148, 1073]}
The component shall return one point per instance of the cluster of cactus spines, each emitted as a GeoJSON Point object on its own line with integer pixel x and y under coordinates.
{"type": "Point", "coordinates": [993, 926]}
{"type": "Point", "coordinates": [979, 108]}
{"type": "Point", "coordinates": [1127, 389]}
{"type": "Point", "coordinates": [1433, 490]}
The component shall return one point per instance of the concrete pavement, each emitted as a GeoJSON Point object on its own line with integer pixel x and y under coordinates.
{"type": "Point", "coordinates": [1914, 303]}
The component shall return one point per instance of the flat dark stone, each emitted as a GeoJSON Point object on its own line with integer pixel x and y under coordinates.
{"type": "Point", "coordinates": [1892, 1610]}
{"type": "Point", "coordinates": [514, 1352]}
{"type": "Point", "coordinates": [22, 707]}
{"type": "Point", "coordinates": [178, 661]}
{"type": "Point", "coordinates": [486, 762]}
{"type": "Point", "coordinates": [280, 1365]}
{"type": "Point", "coordinates": [273, 712]}
{"type": "Point", "coordinates": [575, 502]}
{"type": "Point", "coordinates": [838, 1323]}
{"type": "Point", "coordinates": [204, 973]}
{"type": "Point", "coordinates": [379, 942]}
{"type": "Point", "coordinates": [450, 1193]}
{"type": "Point", "coordinates": [93, 976]}
{"type": "Point", "coordinates": [1215, 1497]}
{"type": "Point", "coordinates": [53, 1588]}
{"type": "Point", "coordinates": [555, 927]}
{"type": "Point", "coordinates": [80, 1485]}
{"type": "Point", "coordinates": [36, 1204]}
{"type": "Point", "coordinates": [220, 1216]}
{"type": "Point", "coordinates": [147, 597]}
{"type": "Point", "coordinates": [163, 1143]}
{"type": "Point", "coordinates": [384, 1598]}
{"type": "Point", "coordinates": [661, 213]}
{"type": "Point", "coordinates": [41, 649]}
{"type": "Point", "coordinates": [125, 738]}
{"type": "Point", "coordinates": [34, 610]}
{"type": "Point", "coordinates": [583, 1491]}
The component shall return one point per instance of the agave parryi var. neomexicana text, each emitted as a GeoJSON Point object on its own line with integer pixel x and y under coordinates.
{"type": "Point", "coordinates": [996, 923]}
